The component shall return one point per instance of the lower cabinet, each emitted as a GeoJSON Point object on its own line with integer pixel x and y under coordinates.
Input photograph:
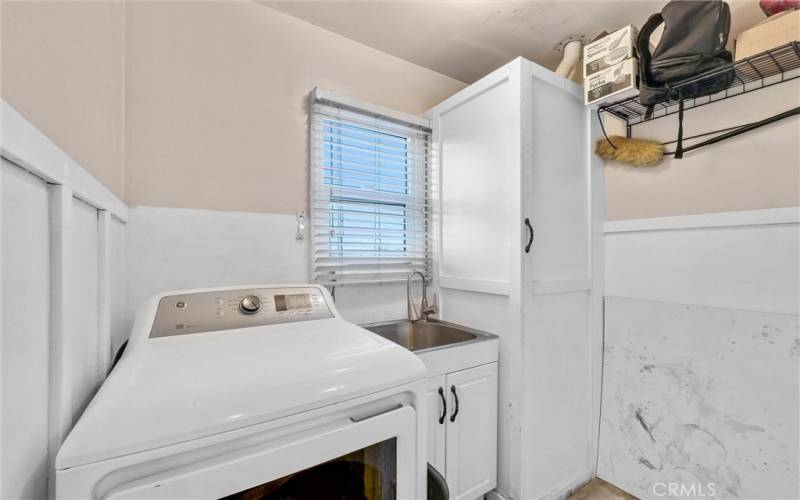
{"type": "Point", "coordinates": [462, 430]}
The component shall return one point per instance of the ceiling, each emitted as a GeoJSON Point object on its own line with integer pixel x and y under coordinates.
{"type": "Point", "coordinates": [466, 39]}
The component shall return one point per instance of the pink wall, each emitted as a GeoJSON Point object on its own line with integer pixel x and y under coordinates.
{"type": "Point", "coordinates": [62, 67]}
{"type": "Point", "coordinates": [758, 169]}
{"type": "Point", "coordinates": [217, 101]}
{"type": "Point", "coordinates": [191, 104]}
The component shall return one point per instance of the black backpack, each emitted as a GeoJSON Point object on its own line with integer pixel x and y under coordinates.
{"type": "Point", "coordinates": [692, 48]}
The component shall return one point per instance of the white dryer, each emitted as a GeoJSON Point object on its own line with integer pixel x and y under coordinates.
{"type": "Point", "coordinates": [251, 392]}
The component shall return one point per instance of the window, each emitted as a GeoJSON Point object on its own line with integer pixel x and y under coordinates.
{"type": "Point", "coordinates": [369, 195]}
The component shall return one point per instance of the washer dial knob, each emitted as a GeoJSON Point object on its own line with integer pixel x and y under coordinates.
{"type": "Point", "coordinates": [250, 304]}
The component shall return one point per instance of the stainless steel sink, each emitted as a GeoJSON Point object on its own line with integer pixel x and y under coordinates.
{"type": "Point", "coordinates": [423, 335]}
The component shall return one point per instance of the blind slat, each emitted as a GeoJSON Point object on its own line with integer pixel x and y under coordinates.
{"type": "Point", "coordinates": [332, 139]}
{"type": "Point", "coordinates": [337, 169]}
{"type": "Point", "coordinates": [360, 279]}
{"type": "Point", "coordinates": [376, 180]}
{"type": "Point", "coordinates": [358, 165]}
{"type": "Point", "coordinates": [363, 231]}
{"type": "Point", "coordinates": [373, 266]}
{"type": "Point", "coordinates": [350, 197]}
{"type": "Point", "coordinates": [331, 252]}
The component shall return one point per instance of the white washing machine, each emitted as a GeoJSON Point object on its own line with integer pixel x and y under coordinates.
{"type": "Point", "coordinates": [251, 392]}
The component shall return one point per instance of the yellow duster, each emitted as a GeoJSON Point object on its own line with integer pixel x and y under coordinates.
{"type": "Point", "coordinates": [636, 152]}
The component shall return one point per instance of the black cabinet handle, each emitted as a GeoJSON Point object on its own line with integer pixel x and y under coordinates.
{"type": "Point", "coordinates": [530, 237]}
{"type": "Point", "coordinates": [444, 405]}
{"type": "Point", "coordinates": [455, 398]}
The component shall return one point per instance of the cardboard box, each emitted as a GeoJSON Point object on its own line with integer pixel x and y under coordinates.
{"type": "Point", "coordinates": [613, 84]}
{"type": "Point", "coordinates": [609, 50]}
{"type": "Point", "coordinates": [775, 31]}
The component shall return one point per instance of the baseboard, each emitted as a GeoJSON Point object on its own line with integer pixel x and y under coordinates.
{"type": "Point", "coordinates": [494, 495]}
{"type": "Point", "coordinates": [567, 488]}
{"type": "Point", "coordinates": [562, 491]}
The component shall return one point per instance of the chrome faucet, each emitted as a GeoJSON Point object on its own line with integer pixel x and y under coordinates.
{"type": "Point", "coordinates": [425, 309]}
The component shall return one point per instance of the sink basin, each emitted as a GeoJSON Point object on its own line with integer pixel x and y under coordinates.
{"type": "Point", "coordinates": [424, 335]}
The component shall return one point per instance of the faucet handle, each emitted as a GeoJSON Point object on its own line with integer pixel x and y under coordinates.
{"type": "Point", "coordinates": [431, 308]}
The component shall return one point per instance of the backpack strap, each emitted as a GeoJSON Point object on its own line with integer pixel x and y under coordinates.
{"type": "Point", "coordinates": [679, 145]}
{"type": "Point", "coordinates": [643, 51]}
{"type": "Point", "coordinates": [643, 44]}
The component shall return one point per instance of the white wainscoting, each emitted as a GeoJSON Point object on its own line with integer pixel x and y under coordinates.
{"type": "Point", "coordinates": [177, 249]}
{"type": "Point", "coordinates": [739, 260]}
{"type": "Point", "coordinates": [62, 251]}
{"type": "Point", "coordinates": [702, 354]}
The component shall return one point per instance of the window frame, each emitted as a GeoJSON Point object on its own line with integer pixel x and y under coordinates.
{"type": "Point", "coordinates": [413, 198]}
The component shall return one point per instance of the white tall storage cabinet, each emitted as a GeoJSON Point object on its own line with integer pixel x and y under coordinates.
{"type": "Point", "coordinates": [516, 146]}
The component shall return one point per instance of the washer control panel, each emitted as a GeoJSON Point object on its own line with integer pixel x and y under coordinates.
{"type": "Point", "coordinates": [231, 309]}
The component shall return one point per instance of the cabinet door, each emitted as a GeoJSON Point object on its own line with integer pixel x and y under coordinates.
{"type": "Point", "coordinates": [562, 193]}
{"type": "Point", "coordinates": [437, 402]}
{"type": "Point", "coordinates": [471, 459]}
{"type": "Point", "coordinates": [556, 186]}
{"type": "Point", "coordinates": [476, 135]}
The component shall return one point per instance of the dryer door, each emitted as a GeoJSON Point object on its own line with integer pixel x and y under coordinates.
{"type": "Point", "coordinates": [371, 458]}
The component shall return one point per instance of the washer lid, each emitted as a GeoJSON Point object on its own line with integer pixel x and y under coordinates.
{"type": "Point", "coordinates": [171, 389]}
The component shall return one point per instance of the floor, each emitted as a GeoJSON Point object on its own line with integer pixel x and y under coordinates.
{"type": "Point", "coordinates": [597, 489]}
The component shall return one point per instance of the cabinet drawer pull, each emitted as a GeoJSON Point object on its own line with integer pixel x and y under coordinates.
{"type": "Point", "coordinates": [444, 405]}
{"type": "Point", "coordinates": [455, 398]}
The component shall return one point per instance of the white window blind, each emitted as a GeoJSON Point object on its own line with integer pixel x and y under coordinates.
{"type": "Point", "coordinates": [369, 196]}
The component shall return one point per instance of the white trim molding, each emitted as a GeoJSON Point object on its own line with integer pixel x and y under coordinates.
{"type": "Point", "coordinates": [787, 215]}
{"type": "Point", "coordinates": [2, 278]}
{"type": "Point", "coordinates": [60, 397]}
{"type": "Point", "coordinates": [494, 495]}
{"type": "Point", "coordinates": [104, 292]}
{"type": "Point", "coordinates": [482, 286]}
{"type": "Point", "coordinates": [26, 146]}
{"type": "Point", "coordinates": [556, 287]}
